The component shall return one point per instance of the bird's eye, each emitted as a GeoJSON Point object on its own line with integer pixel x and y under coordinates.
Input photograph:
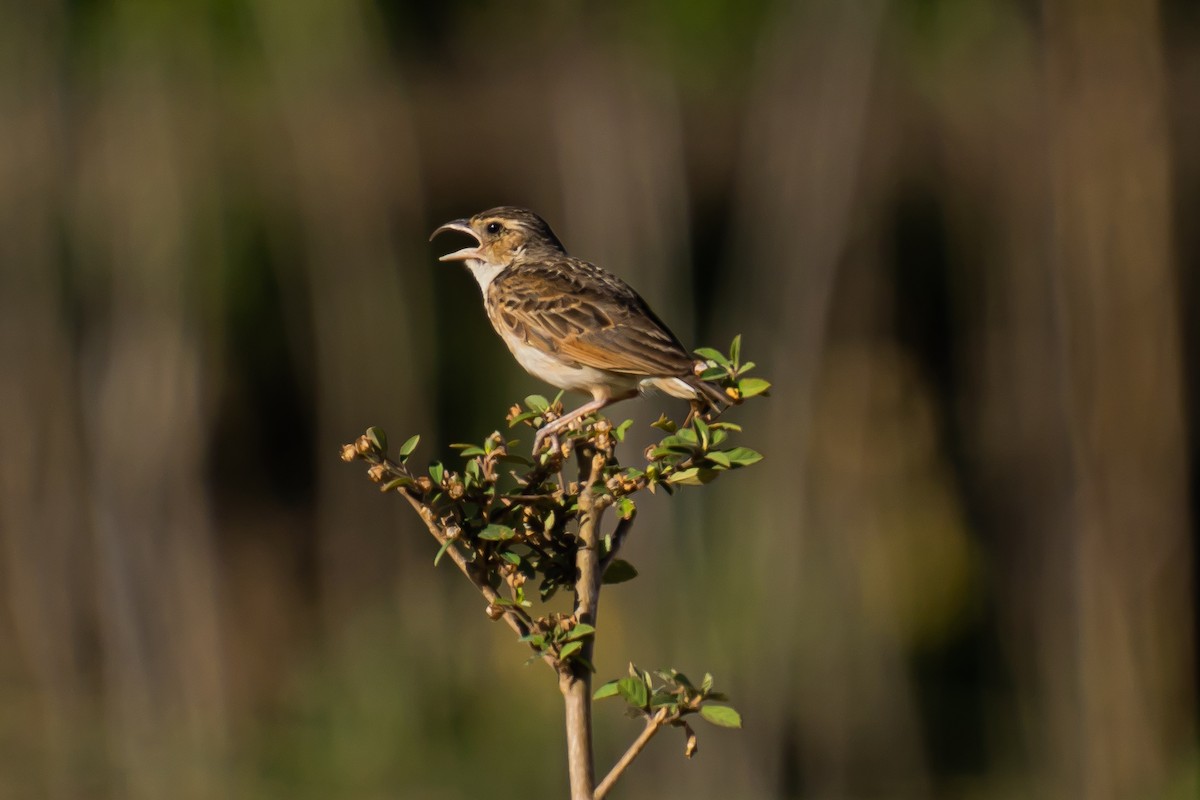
{"type": "Point", "coordinates": [494, 228]}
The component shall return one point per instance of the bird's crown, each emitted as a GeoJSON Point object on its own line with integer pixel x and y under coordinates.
{"type": "Point", "coordinates": [519, 226]}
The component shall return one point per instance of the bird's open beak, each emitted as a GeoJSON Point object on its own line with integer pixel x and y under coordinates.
{"type": "Point", "coordinates": [461, 226]}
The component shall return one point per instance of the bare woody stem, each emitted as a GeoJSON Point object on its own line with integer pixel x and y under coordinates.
{"type": "Point", "coordinates": [653, 726]}
{"type": "Point", "coordinates": [575, 678]}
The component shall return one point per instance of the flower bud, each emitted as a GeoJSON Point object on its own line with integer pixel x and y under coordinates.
{"type": "Point", "coordinates": [377, 473]}
{"type": "Point", "coordinates": [349, 453]}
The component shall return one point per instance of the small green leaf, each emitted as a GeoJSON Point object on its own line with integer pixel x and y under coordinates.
{"type": "Point", "coordinates": [496, 533]}
{"type": "Point", "coordinates": [568, 649]}
{"type": "Point", "coordinates": [579, 631]}
{"type": "Point", "coordinates": [407, 448]}
{"type": "Point", "coordinates": [683, 681]}
{"type": "Point", "coordinates": [620, 430]}
{"type": "Point", "coordinates": [714, 374]}
{"type": "Point", "coordinates": [719, 458]}
{"type": "Point", "coordinates": [442, 551]}
{"type": "Point", "coordinates": [735, 349]}
{"type": "Point", "coordinates": [619, 571]}
{"type": "Point", "coordinates": [511, 558]}
{"type": "Point", "coordinates": [686, 476]}
{"type": "Point", "coordinates": [749, 387]}
{"type": "Point", "coordinates": [377, 438]}
{"type": "Point", "coordinates": [664, 424]}
{"type": "Point", "coordinates": [693, 476]}
{"type": "Point", "coordinates": [437, 472]}
{"type": "Point", "coordinates": [474, 470]}
{"type": "Point", "coordinates": [626, 508]}
{"type": "Point", "coordinates": [661, 698]}
{"type": "Point", "coordinates": [706, 684]}
{"type": "Point", "coordinates": [725, 716]}
{"type": "Point", "coordinates": [702, 431]}
{"type": "Point", "coordinates": [743, 456]}
{"type": "Point", "coordinates": [472, 450]}
{"type": "Point", "coordinates": [396, 483]}
{"type": "Point", "coordinates": [537, 403]}
{"type": "Point", "coordinates": [608, 689]}
{"type": "Point", "coordinates": [522, 417]}
{"type": "Point", "coordinates": [712, 355]}
{"type": "Point", "coordinates": [634, 691]}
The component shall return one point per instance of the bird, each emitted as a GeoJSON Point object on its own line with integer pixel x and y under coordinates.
{"type": "Point", "coordinates": [570, 323]}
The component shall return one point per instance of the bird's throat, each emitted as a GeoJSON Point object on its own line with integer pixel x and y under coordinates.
{"type": "Point", "coordinates": [484, 272]}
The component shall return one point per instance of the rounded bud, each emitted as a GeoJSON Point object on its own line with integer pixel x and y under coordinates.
{"type": "Point", "coordinates": [494, 611]}
{"type": "Point", "coordinates": [349, 453]}
{"type": "Point", "coordinates": [362, 445]}
{"type": "Point", "coordinates": [377, 473]}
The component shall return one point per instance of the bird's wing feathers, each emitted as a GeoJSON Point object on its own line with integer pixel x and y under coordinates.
{"type": "Point", "coordinates": [575, 311]}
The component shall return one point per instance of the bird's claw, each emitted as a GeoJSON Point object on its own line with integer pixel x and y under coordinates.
{"type": "Point", "coordinates": [540, 437]}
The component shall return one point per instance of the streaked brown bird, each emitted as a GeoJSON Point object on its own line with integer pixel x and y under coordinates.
{"type": "Point", "coordinates": [570, 323]}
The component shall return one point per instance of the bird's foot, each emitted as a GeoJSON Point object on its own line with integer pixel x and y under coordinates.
{"type": "Point", "coordinates": [540, 438]}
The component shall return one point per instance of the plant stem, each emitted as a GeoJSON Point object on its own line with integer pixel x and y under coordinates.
{"type": "Point", "coordinates": [575, 679]}
{"type": "Point", "coordinates": [653, 726]}
{"type": "Point", "coordinates": [577, 702]}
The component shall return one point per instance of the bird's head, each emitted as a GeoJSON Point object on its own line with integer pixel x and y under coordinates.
{"type": "Point", "coordinates": [503, 236]}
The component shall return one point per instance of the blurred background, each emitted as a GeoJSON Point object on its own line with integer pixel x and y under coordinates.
{"type": "Point", "coordinates": [960, 236]}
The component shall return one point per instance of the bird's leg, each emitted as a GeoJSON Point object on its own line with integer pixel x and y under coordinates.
{"type": "Point", "coordinates": [565, 420]}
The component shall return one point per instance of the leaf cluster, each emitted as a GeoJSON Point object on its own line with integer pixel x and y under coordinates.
{"type": "Point", "coordinates": [669, 699]}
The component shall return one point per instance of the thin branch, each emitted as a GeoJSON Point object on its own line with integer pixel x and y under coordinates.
{"type": "Point", "coordinates": [515, 616]}
{"type": "Point", "coordinates": [653, 726]}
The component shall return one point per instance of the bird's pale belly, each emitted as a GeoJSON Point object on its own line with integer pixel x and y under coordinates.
{"type": "Point", "coordinates": [573, 377]}
{"type": "Point", "coordinates": [596, 382]}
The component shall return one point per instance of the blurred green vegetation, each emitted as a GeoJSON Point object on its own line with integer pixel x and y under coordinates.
{"type": "Point", "coordinates": [957, 234]}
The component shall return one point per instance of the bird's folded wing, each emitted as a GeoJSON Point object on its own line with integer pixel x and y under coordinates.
{"type": "Point", "coordinates": [582, 315]}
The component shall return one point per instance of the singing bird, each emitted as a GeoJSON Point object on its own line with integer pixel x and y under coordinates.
{"type": "Point", "coordinates": [569, 322]}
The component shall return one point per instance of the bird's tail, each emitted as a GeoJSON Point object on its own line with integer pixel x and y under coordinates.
{"type": "Point", "coordinates": [709, 394]}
